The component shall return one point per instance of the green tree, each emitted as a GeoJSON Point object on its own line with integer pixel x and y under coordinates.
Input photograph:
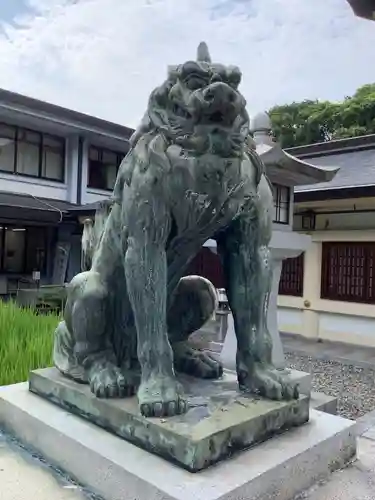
{"type": "Point", "coordinates": [308, 122]}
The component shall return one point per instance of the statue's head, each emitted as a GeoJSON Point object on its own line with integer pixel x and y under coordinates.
{"type": "Point", "coordinates": [200, 108]}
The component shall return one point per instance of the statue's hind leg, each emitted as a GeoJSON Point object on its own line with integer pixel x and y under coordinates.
{"type": "Point", "coordinates": [193, 305]}
{"type": "Point", "coordinates": [82, 348]}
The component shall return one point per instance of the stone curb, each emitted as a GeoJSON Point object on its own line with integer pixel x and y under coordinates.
{"type": "Point", "coordinates": [364, 424]}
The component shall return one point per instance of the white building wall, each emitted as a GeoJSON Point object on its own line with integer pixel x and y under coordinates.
{"type": "Point", "coordinates": [93, 195]}
{"type": "Point", "coordinates": [320, 319]}
{"type": "Point", "coordinates": [33, 187]}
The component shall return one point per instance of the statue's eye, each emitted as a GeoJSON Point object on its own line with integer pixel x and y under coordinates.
{"type": "Point", "coordinates": [195, 82]}
{"type": "Point", "coordinates": [216, 78]}
{"type": "Point", "coordinates": [234, 77]}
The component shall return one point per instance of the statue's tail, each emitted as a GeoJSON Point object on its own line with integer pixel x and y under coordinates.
{"type": "Point", "coordinates": [92, 233]}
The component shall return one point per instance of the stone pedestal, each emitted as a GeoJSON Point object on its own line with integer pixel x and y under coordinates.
{"type": "Point", "coordinates": [277, 469]}
{"type": "Point", "coordinates": [220, 420]}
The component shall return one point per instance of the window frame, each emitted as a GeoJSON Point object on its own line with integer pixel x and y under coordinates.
{"type": "Point", "coordinates": [368, 272]}
{"type": "Point", "coordinates": [277, 190]}
{"type": "Point", "coordinates": [4, 226]}
{"type": "Point", "coordinates": [41, 135]}
{"type": "Point", "coordinates": [100, 150]}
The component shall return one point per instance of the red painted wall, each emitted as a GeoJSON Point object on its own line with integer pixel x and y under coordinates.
{"type": "Point", "coordinates": [208, 265]}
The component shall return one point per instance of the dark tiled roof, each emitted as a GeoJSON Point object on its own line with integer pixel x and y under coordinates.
{"type": "Point", "coordinates": [8, 97]}
{"type": "Point", "coordinates": [357, 168]}
{"type": "Point", "coordinates": [33, 202]}
{"type": "Point", "coordinates": [334, 146]}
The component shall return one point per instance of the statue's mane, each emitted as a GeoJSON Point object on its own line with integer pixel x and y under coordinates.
{"type": "Point", "coordinates": [151, 140]}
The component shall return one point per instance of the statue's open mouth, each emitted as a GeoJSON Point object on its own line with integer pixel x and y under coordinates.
{"type": "Point", "coordinates": [217, 117]}
{"type": "Point", "coordinates": [214, 118]}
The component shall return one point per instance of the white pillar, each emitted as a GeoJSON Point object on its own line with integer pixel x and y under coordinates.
{"type": "Point", "coordinates": [278, 357]}
{"type": "Point", "coordinates": [85, 168]}
{"type": "Point", "coordinates": [71, 166]}
{"type": "Point", "coordinates": [311, 289]}
{"type": "Point", "coordinates": [228, 353]}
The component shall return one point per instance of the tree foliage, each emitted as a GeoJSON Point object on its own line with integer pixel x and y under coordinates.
{"type": "Point", "coordinates": [308, 122]}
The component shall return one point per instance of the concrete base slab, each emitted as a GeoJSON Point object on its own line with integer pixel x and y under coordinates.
{"type": "Point", "coordinates": [220, 419]}
{"type": "Point", "coordinates": [304, 380]}
{"type": "Point", "coordinates": [356, 482]}
{"type": "Point", "coordinates": [277, 469]}
{"type": "Point", "coordinates": [322, 402]}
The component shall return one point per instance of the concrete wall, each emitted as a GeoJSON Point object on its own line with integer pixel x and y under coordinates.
{"type": "Point", "coordinates": [316, 318]}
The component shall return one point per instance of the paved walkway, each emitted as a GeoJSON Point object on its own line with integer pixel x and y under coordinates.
{"type": "Point", "coordinates": [23, 477]}
{"type": "Point", "coordinates": [356, 482]}
{"type": "Point", "coordinates": [363, 357]}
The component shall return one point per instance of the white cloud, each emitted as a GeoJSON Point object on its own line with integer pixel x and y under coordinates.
{"type": "Point", "coordinates": [103, 57]}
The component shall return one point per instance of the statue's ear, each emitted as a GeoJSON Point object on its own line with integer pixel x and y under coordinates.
{"type": "Point", "coordinates": [173, 73]}
{"type": "Point", "coordinates": [144, 127]}
{"type": "Point", "coordinates": [124, 177]}
{"type": "Point", "coordinates": [118, 189]}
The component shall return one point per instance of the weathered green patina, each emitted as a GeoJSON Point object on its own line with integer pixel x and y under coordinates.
{"type": "Point", "coordinates": [220, 420]}
{"type": "Point", "coordinates": [191, 174]}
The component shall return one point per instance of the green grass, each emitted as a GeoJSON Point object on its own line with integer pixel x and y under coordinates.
{"type": "Point", "coordinates": [26, 341]}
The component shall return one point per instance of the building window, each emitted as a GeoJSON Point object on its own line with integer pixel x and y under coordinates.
{"type": "Point", "coordinates": [29, 153]}
{"type": "Point", "coordinates": [281, 204]}
{"type": "Point", "coordinates": [291, 279]}
{"type": "Point", "coordinates": [53, 153]}
{"type": "Point", "coordinates": [22, 249]}
{"type": "Point", "coordinates": [7, 148]}
{"type": "Point", "coordinates": [348, 272]}
{"type": "Point", "coordinates": [103, 168]}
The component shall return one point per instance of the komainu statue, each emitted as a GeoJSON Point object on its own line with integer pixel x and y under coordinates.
{"type": "Point", "coordinates": [191, 174]}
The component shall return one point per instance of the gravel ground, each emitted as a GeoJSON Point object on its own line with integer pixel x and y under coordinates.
{"type": "Point", "coordinates": [354, 387]}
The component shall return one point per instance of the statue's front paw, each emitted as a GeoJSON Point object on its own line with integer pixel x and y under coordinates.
{"type": "Point", "coordinates": [110, 381]}
{"type": "Point", "coordinates": [161, 397]}
{"type": "Point", "coordinates": [266, 382]}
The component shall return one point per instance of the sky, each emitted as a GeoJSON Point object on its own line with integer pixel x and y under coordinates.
{"type": "Point", "coordinates": [103, 57]}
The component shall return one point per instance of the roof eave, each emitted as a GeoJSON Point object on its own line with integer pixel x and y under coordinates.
{"type": "Point", "coordinates": [303, 173]}
{"type": "Point", "coordinates": [363, 8]}
{"type": "Point", "coordinates": [48, 111]}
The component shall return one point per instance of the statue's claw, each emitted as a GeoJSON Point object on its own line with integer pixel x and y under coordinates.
{"type": "Point", "coordinates": [112, 382]}
{"type": "Point", "coordinates": [266, 382]}
{"type": "Point", "coordinates": [161, 397]}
